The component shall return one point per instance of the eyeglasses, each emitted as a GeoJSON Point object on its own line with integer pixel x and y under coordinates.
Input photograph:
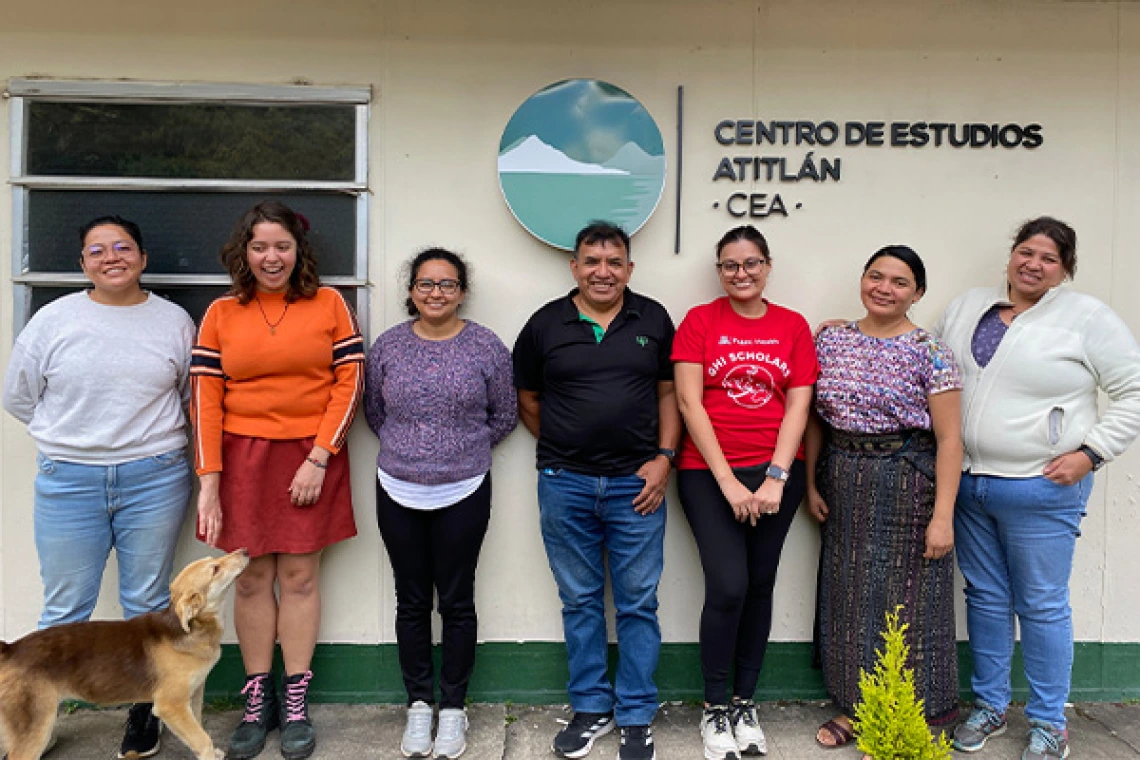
{"type": "Point", "coordinates": [97, 252]}
{"type": "Point", "coordinates": [751, 266]}
{"type": "Point", "coordinates": [447, 287]}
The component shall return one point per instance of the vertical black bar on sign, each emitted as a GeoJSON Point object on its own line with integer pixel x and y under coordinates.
{"type": "Point", "coordinates": [680, 151]}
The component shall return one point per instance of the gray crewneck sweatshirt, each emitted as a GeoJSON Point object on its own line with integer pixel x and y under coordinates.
{"type": "Point", "coordinates": [100, 384]}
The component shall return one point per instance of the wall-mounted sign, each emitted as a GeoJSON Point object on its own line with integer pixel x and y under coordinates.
{"type": "Point", "coordinates": [813, 136]}
{"type": "Point", "coordinates": [580, 150]}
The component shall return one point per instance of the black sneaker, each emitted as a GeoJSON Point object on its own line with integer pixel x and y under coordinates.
{"type": "Point", "coordinates": [259, 719]}
{"type": "Point", "coordinates": [637, 743]}
{"type": "Point", "coordinates": [142, 735]}
{"type": "Point", "coordinates": [577, 739]}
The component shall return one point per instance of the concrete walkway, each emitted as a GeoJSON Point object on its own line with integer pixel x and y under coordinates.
{"type": "Point", "coordinates": [517, 732]}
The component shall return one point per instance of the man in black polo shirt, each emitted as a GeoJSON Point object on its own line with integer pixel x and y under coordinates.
{"type": "Point", "coordinates": [596, 388]}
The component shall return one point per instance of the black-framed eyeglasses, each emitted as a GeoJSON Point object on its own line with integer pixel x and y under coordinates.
{"type": "Point", "coordinates": [447, 287]}
{"type": "Point", "coordinates": [751, 266]}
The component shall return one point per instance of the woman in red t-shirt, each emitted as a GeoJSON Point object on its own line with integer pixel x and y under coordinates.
{"type": "Point", "coordinates": [744, 373]}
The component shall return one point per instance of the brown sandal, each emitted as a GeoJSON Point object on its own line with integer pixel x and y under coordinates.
{"type": "Point", "coordinates": [840, 734]}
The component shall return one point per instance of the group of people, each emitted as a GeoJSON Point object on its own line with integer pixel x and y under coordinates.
{"type": "Point", "coordinates": [979, 435]}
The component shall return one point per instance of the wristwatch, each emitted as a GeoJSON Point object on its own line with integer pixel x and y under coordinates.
{"type": "Point", "coordinates": [775, 472]}
{"type": "Point", "coordinates": [1096, 459]}
{"type": "Point", "coordinates": [669, 454]}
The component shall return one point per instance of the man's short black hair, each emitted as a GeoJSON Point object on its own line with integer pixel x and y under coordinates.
{"type": "Point", "coordinates": [601, 231]}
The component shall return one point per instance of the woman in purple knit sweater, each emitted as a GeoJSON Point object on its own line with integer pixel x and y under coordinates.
{"type": "Point", "coordinates": [439, 395]}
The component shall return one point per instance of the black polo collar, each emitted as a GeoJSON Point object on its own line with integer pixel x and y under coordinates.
{"type": "Point", "coordinates": [631, 305]}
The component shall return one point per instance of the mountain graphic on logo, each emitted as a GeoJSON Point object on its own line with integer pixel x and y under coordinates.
{"type": "Point", "coordinates": [534, 156]}
{"type": "Point", "coordinates": [633, 160]}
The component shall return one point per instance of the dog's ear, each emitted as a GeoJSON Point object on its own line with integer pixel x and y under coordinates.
{"type": "Point", "coordinates": [187, 608]}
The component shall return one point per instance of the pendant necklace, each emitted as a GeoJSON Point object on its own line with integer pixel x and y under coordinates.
{"type": "Point", "coordinates": [272, 325]}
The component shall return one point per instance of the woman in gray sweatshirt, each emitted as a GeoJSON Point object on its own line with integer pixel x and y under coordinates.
{"type": "Point", "coordinates": [100, 378]}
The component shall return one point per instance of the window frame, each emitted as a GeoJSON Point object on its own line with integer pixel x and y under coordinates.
{"type": "Point", "coordinates": [22, 91]}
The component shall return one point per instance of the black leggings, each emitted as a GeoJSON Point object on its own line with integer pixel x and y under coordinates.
{"type": "Point", "coordinates": [739, 563]}
{"type": "Point", "coordinates": [435, 549]}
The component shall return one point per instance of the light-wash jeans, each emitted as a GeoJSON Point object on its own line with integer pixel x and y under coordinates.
{"type": "Point", "coordinates": [586, 520]}
{"type": "Point", "coordinates": [1015, 539]}
{"type": "Point", "coordinates": [82, 511]}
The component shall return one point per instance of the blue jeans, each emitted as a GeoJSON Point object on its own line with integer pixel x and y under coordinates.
{"type": "Point", "coordinates": [1015, 539]}
{"type": "Point", "coordinates": [586, 518]}
{"type": "Point", "coordinates": [81, 511]}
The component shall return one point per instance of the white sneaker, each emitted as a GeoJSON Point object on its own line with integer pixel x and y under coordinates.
{"type": "Point", "coordinates": [746, 728]}
{"type": "Point", "coordinates": [417, 731]}
{"type": "Point", "coordinates": [716, 732]}
{"type": "Point", "coordinates": [451, 734]}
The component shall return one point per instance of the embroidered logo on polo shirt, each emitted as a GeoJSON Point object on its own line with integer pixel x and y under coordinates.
{"type": "Point", "coordinates": [642, 341]}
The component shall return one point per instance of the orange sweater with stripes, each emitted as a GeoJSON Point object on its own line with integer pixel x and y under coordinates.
{"type": "Point", "coordinates": [299, 379]}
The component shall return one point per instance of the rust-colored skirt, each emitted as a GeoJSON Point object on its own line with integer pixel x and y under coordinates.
{"type": "Point", "coordinates": [256, 511]}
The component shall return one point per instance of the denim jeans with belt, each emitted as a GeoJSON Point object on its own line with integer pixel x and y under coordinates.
{"type": "Point", "coordinates": [82, 511]}
{"type": "Point", "coordinates": [586, 519]}
{"type": "Point", "coordinates": [1015, 539]}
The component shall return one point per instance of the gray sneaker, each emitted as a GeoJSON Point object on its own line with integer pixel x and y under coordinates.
{"type": "Point", "coordinates": [417, 731]}
{"type": "Point", "coordinates": [983, 723]}
{"type": "Point", "coordinates": [1045, 742]}
{"type": "Point", "coordinates": [451, 734]}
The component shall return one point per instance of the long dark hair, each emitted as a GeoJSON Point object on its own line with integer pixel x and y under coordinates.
{"type": "Point", "coordinates": [303, 282]}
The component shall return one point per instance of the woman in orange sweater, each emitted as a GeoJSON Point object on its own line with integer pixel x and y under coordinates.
{"type": "Point", "coordinates": [276, 377]}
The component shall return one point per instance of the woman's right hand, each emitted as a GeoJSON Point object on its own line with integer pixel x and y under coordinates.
{"type": "Point", "coordinates": [210, 508]}
{"type": "Point", "coordinates": [817, 507]}
{"type": "Point", "coordinates": [738, 497]}
{"type": "Point", "coordinates": [828, 323]}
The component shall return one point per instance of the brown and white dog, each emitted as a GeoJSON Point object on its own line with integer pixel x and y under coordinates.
{"type": "Point", "coordinates": [161, 657]}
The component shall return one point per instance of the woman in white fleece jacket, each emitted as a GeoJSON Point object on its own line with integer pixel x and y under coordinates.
{"type": "Point", "coordinates": [1032, 356]}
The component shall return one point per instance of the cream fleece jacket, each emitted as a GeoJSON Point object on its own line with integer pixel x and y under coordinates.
{"type": "Point", "coordinates": [1037, 398]}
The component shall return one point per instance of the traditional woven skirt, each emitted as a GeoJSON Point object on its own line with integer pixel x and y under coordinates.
{"type": "Point", "coordinates": [880, 493]}
{"type": "Point", "coordinates": [256, 511]}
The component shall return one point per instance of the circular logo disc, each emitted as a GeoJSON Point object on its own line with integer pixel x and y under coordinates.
{"type": "Point", "coordinates": [580, 150]}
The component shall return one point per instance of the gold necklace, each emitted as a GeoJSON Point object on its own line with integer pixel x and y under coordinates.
{"type": "Point", "coordinates": [272, 325]}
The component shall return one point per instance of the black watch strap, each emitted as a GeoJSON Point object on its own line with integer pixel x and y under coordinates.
{"type": "Point", "coordinates": [669, 454]}
{"type": "Point", "coordinates": [1096, 459]}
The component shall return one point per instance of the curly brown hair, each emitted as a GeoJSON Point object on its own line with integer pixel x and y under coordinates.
{"type": "Point", "coordinates": [303, 282]}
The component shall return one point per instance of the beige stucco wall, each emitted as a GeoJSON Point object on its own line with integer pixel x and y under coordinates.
{"type": "Point", "coordinates": [447, 75]}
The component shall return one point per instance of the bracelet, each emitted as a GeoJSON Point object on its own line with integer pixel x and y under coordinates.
{"type": "Point", "coordinates": [316, 463]}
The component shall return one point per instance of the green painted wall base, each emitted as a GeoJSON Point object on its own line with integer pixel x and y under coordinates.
{"type": "Point", "coordinates": [535, 673]}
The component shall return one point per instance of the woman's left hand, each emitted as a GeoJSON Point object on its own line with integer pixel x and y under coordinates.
{"type": "Point", "coordinates": [939, 539]}
{"type": "Point", "coordinates": [767, 501]}
{"type": "Point", "coordinates": [305, 489]}
{"type": "Point", "coordinates": [1068, 469]}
